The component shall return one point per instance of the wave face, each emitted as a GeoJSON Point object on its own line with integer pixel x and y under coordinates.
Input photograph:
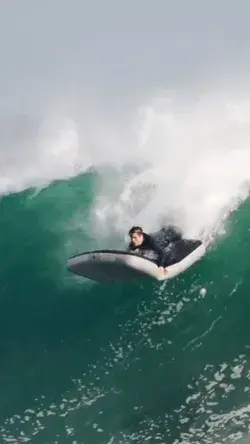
{"type": "Point", "coordinates": [83, 362]}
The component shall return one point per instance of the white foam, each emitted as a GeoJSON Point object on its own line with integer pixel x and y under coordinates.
{"type": "Point", "coordinates": [185, 161]}
{"type": "Point", "coordinates": [195, 166]}
{"type": "Point", "coordinates": [38, 154]}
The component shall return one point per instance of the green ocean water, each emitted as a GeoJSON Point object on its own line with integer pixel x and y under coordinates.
{"type": "Point", "coordinates": [94, 364]}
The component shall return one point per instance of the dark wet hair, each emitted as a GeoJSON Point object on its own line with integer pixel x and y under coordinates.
{"type": "Point", "coordinates": [137, 230]}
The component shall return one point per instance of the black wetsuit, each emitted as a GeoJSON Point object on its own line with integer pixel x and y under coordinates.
{"type": "Point", "coordinates": [149, 249]}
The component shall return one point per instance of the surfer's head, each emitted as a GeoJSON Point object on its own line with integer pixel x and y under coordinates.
{"type": "Point", "coordinates": [136, 236]}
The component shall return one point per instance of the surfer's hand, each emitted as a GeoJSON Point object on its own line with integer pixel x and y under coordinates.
{"type": "Point", "coordinates": [162, 271]}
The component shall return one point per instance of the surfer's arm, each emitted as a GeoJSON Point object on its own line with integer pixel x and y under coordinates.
{"type": "Point", "coordinates": [161, 255]}
{"type": "Point", "coordinates": [129, 247]}
{"type": "Point", "coordinates": [161, 259]}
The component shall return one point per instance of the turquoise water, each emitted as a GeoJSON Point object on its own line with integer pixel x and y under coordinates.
{"type": "Point", "coordinates": [95, 364]}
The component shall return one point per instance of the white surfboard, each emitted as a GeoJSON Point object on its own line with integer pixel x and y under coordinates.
{"type": "Point", "coordinates": [116, 265]}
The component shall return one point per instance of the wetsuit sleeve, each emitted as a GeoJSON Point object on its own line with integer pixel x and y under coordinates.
{"type": "Point", "coordinates": [129, 247]}
{"type": "Point", "coordinates": [155, 247]}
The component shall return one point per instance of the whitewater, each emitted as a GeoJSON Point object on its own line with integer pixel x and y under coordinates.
{"type": "Point", "coordinates": [173, 160]}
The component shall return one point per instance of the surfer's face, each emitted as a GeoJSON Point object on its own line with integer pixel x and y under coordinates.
{"type": "Point", "coordinates": [136, 239]}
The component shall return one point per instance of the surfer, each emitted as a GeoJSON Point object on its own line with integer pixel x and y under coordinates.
{"type": "Point", "coordinates": [143, 244]}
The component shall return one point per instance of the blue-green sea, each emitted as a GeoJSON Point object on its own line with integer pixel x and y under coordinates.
{"type": "Point", "coordinates": [84, 363]}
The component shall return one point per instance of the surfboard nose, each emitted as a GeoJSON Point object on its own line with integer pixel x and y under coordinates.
{"type": "Point", "coordinates": [111, 266]}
